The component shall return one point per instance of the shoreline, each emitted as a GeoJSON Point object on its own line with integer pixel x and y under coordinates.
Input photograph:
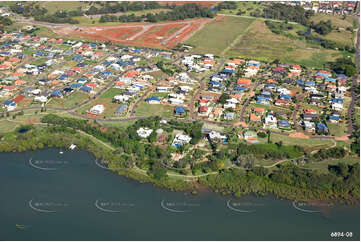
{"type": "Point", "coordinates": [197, 188]}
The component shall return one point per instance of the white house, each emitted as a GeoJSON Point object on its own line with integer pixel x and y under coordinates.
{"type": "Point", "coordinates": [120, 98]}
{"type": "Point", "coordinates": [41, 99]}
{"type": "Point", "coordinates": [175, 101]}
{"type": "Point", "coordinates": [144, 132]}
{"type": "Point", "coordinates": [97, 109]}
{"type": "Point", "coordinates": [213, 135]}
{"type": "Point", "coordinates": [270, 122]}
{"type": "Point", "coordinates": [181, 139]}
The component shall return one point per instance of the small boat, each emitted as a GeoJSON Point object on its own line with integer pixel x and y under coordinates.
{"type": "Point", "coordinates": [21, 227]}
{"type": "Point", "coordinates": [61, 152]}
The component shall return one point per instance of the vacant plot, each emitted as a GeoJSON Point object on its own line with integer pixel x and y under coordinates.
{"type": "Point", "coordinates": [111, 93]}
{"type": "Point", "coordinates": [53, 6]}
{"type": "Point", "coordinates": [322, 166]}
{"type": "Point", "coordinates": [70, 101]}
{"type": "Point", "coordinates": [217, 35]}
{"type": "Point", "coordinates": [156, 35]}
{"type": "Point", "coordinates": [145, 109]}
{"type": "Point", "coordinates": [246, 7]}
{"type": "Point", "coordinates": [299, 141]}
{"type": "Point", "coordinates": [337, 129]}
{"type": "Point", "coordinates": [260, 43]}
{"type": "Point", "coordinates": [7, 126]}
{"type": "Point", "coordinates": [337, 21]}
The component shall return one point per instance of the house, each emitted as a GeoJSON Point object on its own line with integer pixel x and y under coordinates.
{"type": "Point", "coordinates": [175, 101]}
{"type": "Point", "coordinates": [270, 122]}
{"type": "Point", "coordinates": [262, 100]}
{"type": "Point", "coordinates": [310, 111]}
{"type": "Point", "coordinates": [56, 93]}
{"type": "Point", "coordinates": [153, 100]}
{"type": "Point", "coordinates": [258, 110]}
{"type": "Point", "coordinates": [18, 99]}
{"type": "Point", "coordinates": [282, 102]}
{"type": "Point", "coordinates": [120, 98]}
{"type": "Point", "coordinates": [284, 124]}
{"type": "Point", "coordinates": [121, 109]}
{"type": "Point", "coordinates": [180, 110]}
{"type": "Point", "coordinates": [86, 89]}
{"type": "Point", "coordinates": [41, 99]}
{"type": "Point", "coordinates": [203, 110]}
{"type": "Point", "coordinates": [337, 106]}
{"type": "Point", "coordinates": [309, 126]}
{"type": "Point", "coordinates": [322, 128]}
{"type": "Point", "coordinates": [229, 116]}
{"type": "Point", "coordinates": [97, 109]}
{"type": "Point", "coordinates": [163, 88]}
{"type": "Point", "coordinates": [249, 135]}
{"type": "Point", "coordinates": [254, 118]}
{"type": "Point", "coordinates": [9, 105]}
{"type": "Point", "coordinates": [310, 116]}
{"type": "Point", "coordinates": [334, 119]}
{"type": "Point", "coordinates": [215, 136]}
{"type": "Point", "coordinates": [181, 140]}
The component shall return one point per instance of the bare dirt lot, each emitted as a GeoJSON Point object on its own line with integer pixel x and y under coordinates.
{"type": "Point", "coordinates": [163, 35]}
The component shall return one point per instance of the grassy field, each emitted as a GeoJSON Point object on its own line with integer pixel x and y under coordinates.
{"type": "Point", "coordinates": [7, 126]}
{"type": "Point", "coordinates": [301, 142]}
{"type": "Point", "coordinates": [70, 101]}
{"type": "Point", "coordinates": [260, 43]}
{"type": "Point", "coordinates": [337, 129]}
{"type": "Point", "coordinates": [53, 6]}
{"type": "Point", "coordinates": [245, 6]}
{"type": "Point", "coordinates": [217, 35]}
{"type": "Point", "coordinates": [145, 109]}
{"type": "Point", "coordinates": [158, 75]}
{"type": "Point", "coordinates": [122, 124]}
{"type": "Point", "coordinates": [338, 21]}
{"type": "Point", "coordinates": [111, 93]}
{"type": "Point", "coordinates": [322, 166]}
{"type": "Point", "coordinates": [340, 35]}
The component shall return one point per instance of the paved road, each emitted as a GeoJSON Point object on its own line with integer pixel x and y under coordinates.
{"type": "Point", "coordinates": [195, 97]}
{"type": "Point", "coordinates": [245, 105]}
{"type": "Point", "coordinates": [354, 94]}
{"type": "Point", "coordinates": [299, 98]}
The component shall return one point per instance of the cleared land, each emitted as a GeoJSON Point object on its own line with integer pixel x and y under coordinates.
{"type": "Point", "coordinates": [156, 35]}
{"type": "Point", "coordinates": [216, 36]}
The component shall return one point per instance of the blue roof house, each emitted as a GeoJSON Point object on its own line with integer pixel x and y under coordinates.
{"type": "Point", "coordinates": [284, 124]}
{"type": "Point", "coordinates": [86, 88]}
{"type": "Point", "coordinates": [322, 127]}
{"type": "Point", "coordinates": [56, 93]}
{"type": "Point", "coordinates": [179, 110]}
{"type": "Point", "coordinates": [153, 100]}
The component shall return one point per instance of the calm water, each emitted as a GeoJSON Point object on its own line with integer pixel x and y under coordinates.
{"type": "Point", "coordinates": [69, 197]}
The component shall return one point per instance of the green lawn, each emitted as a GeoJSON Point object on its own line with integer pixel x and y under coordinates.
{"type": "Point", "coordinates": [145, 109]}
{"type": "Point", "coordinates": [217, 35]}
